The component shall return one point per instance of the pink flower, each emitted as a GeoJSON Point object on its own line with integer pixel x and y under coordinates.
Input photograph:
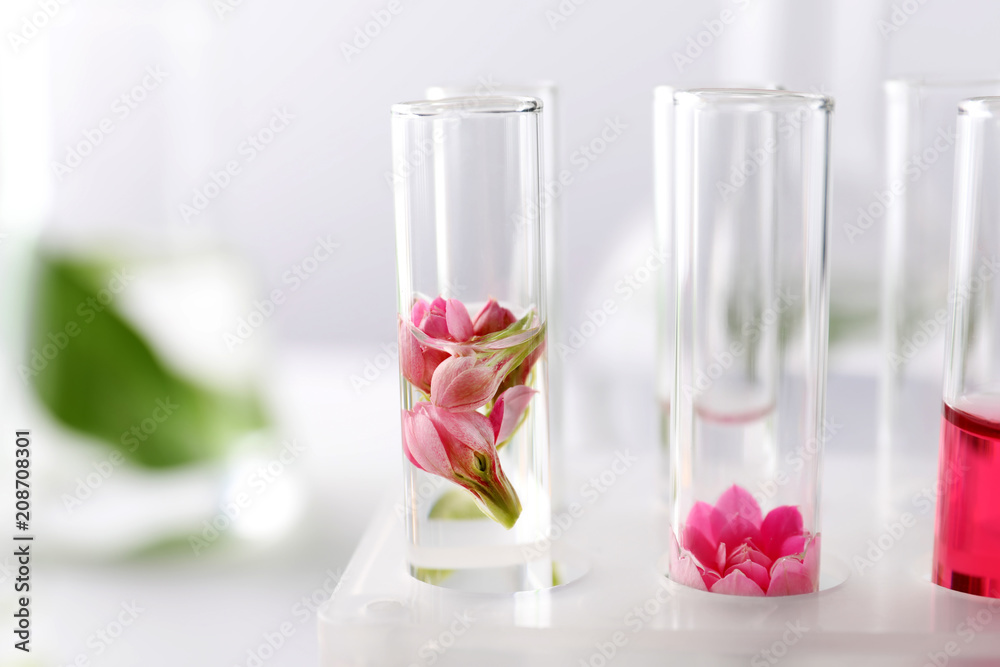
{"type": "Point", "coordinates": [464, 383]}
{"type": "Point", "coordinates": [522, 373]}
{"type": "Point", "coordinates": [417, 362]}
{"type": "Point", "coordinates": [469, 383]}
{"type": "Point", "coordinates": [507, 412]}
{"type": "Point", "coordinates": [730, 548]}
{"type": "Point", "coordinates": [460, 447]}
{"type": "Point", "coordinates": [446, 320]}
{"type": "Point", "coordinates": [492, 318]}
{"type": "Point", "coordinates": [473, 375]}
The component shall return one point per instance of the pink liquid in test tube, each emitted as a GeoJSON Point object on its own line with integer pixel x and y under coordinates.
{"type": "Point", "coordinates": [967, 545]}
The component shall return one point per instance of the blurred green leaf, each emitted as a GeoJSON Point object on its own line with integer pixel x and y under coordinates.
{"type": "Point", "coordinates": [432, 576]}
{"type": "Point", "coordinates": [456, 504]}
{"type": "Point", "coordinates": [108, 379]}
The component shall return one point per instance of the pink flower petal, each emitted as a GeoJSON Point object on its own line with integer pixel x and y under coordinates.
{"type": "Point", "coordinates": [736, 557]}
{"type": "Point", "coordinates": [737, 583]}
{"type": "Point", "coordinates": [459, 322]}
{"type": "Point", "coordinates": [411, 358]}
{"type": "Point", "coordinates": [432, 359]}
{"type": "Point", "coordinates": [417, 362]}
{"type": "Point", "coordinates": [508, 410]}
{"type": "Point", "coordinates": [738, 502]}
{"type": "Point", "coordinates": [462, 430]}
{"type": "Point", "coordinates": [790, 584]}
{"type": "Point", "coordinates": [430, 318]}
{"type": "Point", "coordinates": [529, 363]}
{"type": "Point", "coordinates": [467, 438]}
{"type": "Point", "coordinates": [738, 530]}
{"type": "Point", "coordinates": [422, 443]}
{"type": "Point", "coordinates": [675, 549]}
{"type": "Point", "coordinates": [419, 312]}
{"type": "Point", "coordinates": [756, 573]}
{"type": "Point", "coordinates": [780, 524]}
{"type": "Point", "coordinates": [811, 561]}
{"type": "Point", "coordinates": [706, 519]}
{"type": "Point", "coordinates": [789, 577]}
{"type": "Point", "coordinates": [748, 552]}
{"type": "Point", "coordinates": [436, 326]}
{"type": "Point", "coordinates": [710, 577]}
{"type": "Point", "coordinates": [684, 571]}
{"type": "Point", "coordinates": [740, 517]}
{"type": "Point", "coordinates": [492, 318]}
{"type": "Point", "coordinates": [792, 546]}
{"type": "Point", "coordinates": [701, 548]}
{"type": "Point", "coordinates": [760, 558]}
{"type": "Point", "coordinates": [463, 383]}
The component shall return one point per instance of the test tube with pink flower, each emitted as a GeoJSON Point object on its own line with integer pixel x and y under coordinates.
{"type": "Point", "coordinates": [472, 342]}
{"type": "Point", "coordinates": [747, 421]}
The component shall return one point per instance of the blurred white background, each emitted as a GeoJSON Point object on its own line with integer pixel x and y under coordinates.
{"type": "Point", "coordinates": [229, 69]}
{"type": "Point", "coordinates": [326, 173]}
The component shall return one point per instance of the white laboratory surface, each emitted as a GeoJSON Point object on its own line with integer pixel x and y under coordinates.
{"type": "Point", "coordinates": [876, 606]}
